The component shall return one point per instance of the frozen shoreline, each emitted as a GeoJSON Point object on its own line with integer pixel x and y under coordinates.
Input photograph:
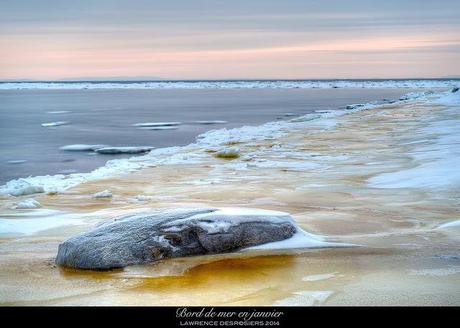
{"type": "Point", "coordinates": [196, 152]}
{"type": "Point", "coordinates": [317, 169]}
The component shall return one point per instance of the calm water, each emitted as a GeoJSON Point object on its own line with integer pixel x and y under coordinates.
{"type": "Point", "coordinates": [106, 117]}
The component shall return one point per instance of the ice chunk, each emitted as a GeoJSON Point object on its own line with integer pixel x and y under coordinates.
{"type": "Point", "coordinates": [20, 187]}
{"type": "Point", "coordinates": [17, 161]}
{"type": "Point", "coordinates": [103, 194]}
{"type": "Point", "coordinates": [28, 203]}
{"type": "Point", "coordinates": [143, 198]}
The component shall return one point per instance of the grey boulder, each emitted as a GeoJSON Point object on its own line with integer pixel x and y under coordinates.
{"type": "Point", "coordinates": [165, 233]}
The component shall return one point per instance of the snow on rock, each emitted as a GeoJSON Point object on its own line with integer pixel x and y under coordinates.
{"type": "Point", "coordinates": [103, 194]}
{"type": "Point", "coordinates": [228, 153]}
{"type": "Point", "coordinates": [163, 233]}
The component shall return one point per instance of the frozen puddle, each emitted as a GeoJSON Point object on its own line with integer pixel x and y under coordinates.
{"type": "Point", "coordinates": [306, 298]}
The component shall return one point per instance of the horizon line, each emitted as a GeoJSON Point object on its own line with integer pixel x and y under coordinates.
{"type": "Point", "coordinates": [128, 79]}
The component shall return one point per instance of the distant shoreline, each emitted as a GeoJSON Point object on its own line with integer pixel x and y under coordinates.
{"type": "Point", "coordinates": [228, 80]}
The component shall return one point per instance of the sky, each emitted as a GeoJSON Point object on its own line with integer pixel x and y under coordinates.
{"type": "Point", "coordinates": [237, 39]}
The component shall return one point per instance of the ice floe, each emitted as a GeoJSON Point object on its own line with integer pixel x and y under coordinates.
{"type": "Point", "coordinates": [124, 150]}
{"type": "Point", "coordinates": [81, 147]}
{"type": "Point", "coordinates": [156, 124]}
{"type": "Point", "coordinates": [53, 124]}
{"type": "Point", "coordinates": [159, 128]}
{"type": "Point", "coordinates": [58, 112]}
{"type": "Point", "coordinates": [17, 161]}
{"type": "Point", "coordinates": [210, 122]}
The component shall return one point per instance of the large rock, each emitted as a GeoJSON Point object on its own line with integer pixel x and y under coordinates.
{"type": "Point", "coordinates": [148, 237]}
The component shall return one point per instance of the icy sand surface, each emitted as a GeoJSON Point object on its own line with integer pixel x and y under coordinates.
{"type": "Point", "coordinates": [408, 239]}
{"type": "Point", "coordinates": [305, 298]}
{"type": "Point", "coordinates": [437, 158]}
{"type": "Point", "coordinates": [306, 84]}
{"type": "Point", "coordinates": [319, 277]}
{"type": "Point", "coordinates": [37, 220]}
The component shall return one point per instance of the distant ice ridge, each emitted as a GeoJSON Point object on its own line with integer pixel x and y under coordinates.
{"type": "Point", "coordinates": [190, 154]}
{"type": "Point", "coordinates": [272, 84]}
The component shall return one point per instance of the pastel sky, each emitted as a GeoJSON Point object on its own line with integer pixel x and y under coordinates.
{"type": "Point", "coordinates": [232, 39]}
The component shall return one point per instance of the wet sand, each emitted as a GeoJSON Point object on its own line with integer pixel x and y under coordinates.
{"type": "Point", "coordinates": [402, 259]}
